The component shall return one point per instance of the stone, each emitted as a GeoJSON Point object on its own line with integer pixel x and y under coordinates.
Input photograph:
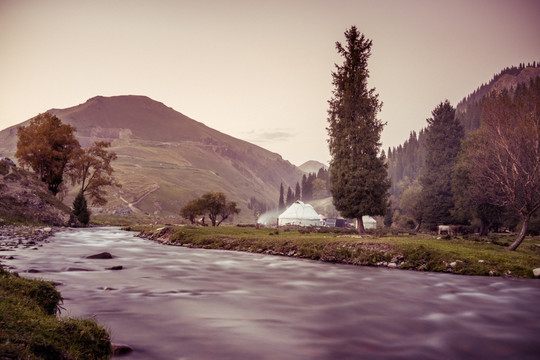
{"type": "Point", "coordinates": [121, 349]}
{"type": "Point", "coordinates": [392, 265]}
{"type": "Point", "coordinates": [117, 267]}
{"type": "Point", "coordinates": [103, 255]}
{"type": "Point", "coordinates": [536, 272]}
{"type": "Point", "coordinates": [453, 264]}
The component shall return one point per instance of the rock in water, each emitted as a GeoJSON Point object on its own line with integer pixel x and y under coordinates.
{"type": "Point", "coordinates": [103, 255]}
{"type": "Point", "coordinates": [117, 267]}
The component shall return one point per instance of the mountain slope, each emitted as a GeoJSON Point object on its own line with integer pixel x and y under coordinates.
{"type": "Point", "coordinates": [165, 158]}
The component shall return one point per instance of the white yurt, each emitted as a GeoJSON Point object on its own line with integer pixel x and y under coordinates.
{"type": "Point", "coordinates": [369, 222]}
{"type": "Point", "coordinates": [300, 214]}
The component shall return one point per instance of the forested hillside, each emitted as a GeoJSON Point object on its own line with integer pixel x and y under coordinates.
{"type": "Point", "coordinates": [407, 162]}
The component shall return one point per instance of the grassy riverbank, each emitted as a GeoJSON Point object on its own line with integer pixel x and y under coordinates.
{"type": "Point", "coordinates": [459, 255]}
{"type": "Point", "coordinates": [31, 329]}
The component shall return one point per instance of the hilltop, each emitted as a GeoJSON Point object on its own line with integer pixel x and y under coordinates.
{"type": "Point", "coordinates": [166, 158]}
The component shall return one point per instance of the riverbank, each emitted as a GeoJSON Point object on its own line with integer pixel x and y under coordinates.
{"type": "Point", "coordinates": [421, 252]}
{"type": "Point", "coordinates": [30, 326]}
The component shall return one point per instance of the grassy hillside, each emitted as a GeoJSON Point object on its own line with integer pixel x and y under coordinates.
{"type": "Point", "coordinates": [166, 159]}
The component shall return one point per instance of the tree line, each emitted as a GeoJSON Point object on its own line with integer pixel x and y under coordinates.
{"type": "Point", "coordinates": [49, 148]}
{"type": "Point", "coordinates": [312, 186]}
{"type": "Point", "coordinates": [482, 178]}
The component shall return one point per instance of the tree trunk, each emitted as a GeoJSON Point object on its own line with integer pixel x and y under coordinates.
{"type": "Point", "coordinates": [360, 226]}
{"type": "Point", "coordinates": [417, 227]}
{"type": "Point", "coordinates": [522, 233]}
{"type": "Point", "coordinates": [483, 228]}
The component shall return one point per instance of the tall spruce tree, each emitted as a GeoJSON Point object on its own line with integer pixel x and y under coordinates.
{"type": "Point", "coordinates": [358, 177]}
{"type": "Point", "coordinates": [281, 202]}
{"type": "Point", "coordinates": [443, 141]}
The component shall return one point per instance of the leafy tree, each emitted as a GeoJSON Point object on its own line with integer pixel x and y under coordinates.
{"type": "Point", "coordinates": [410, 203]}
{"type": "Point", "coordinates": [92, 169]}
{"type": "Point", "coordinates": [80, 209]}
{"type": "Point", "coordinates": [443, 140]}
{"type": "Point", "coordinates": [46, 145]}
{"type": "Point", "coordinates": [358, 176]}
{"type": "Point", "coordinates": [215, 204]}
{"type": "Point", "coordinates": [192, 209]}
{"type": "Point", "coordinates": [505, 159]}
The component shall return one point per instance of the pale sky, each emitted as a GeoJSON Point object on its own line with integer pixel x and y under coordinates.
{"type": "Point", "coordinates": [257, 70]}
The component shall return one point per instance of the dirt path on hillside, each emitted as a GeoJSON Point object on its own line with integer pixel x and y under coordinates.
{"type": "Point", "coordinates": [131, 205]}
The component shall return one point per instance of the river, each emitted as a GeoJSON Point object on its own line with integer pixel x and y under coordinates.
{"type": "Point", "coordinates": [179, 303]}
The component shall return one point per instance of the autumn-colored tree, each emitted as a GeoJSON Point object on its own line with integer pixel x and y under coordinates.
{"type": "Point", "coordinates": [91, 168]}
{"type": "Point", "coordinates": [505, 158]}
{"type": "Point", "coordinates": [46, 146]}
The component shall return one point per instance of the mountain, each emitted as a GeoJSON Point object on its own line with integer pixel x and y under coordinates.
{"type": "Point", "coordinates": [468, 110]}
{"type": "Point", "coordinates": [312, 166]}
{"type": "Point", "coordinates": [406, 162]}
{"type": "Point", "coordinates": [166, 159]}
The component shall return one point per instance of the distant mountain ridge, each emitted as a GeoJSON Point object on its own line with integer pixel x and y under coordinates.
{"type": "Point", "coordinates": [165, 158]}
{"type": "Point", "coordinates": [312, 166]}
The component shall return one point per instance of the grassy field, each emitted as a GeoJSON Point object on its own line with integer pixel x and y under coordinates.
{"type": "Point", "coordinates": [459, 255]}
{"type": "Point", "coordinates": [31, 329]}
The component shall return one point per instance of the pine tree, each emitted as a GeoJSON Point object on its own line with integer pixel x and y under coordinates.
{"type": "Point", "coordinates": [443, 141]}
{"type": "Point", "coordinates": [290, 197]}
{"type": "Point", "coordinates": [80, 209]}
{"type": "Point", "coordinates": [358, 176]}
{"type": "Point", "coordinates": [281, 203]}
{"type": "Point", "coordinates": [297, 192]}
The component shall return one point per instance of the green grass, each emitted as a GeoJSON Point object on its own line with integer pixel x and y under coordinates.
{"type": "Point", "coordinates": [30, 327]}
{"type": "Point", "coordinates": [458, 255]}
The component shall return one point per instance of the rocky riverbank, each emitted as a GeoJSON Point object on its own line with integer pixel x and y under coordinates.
{"type": "Point", "coordinates": [28, 237]}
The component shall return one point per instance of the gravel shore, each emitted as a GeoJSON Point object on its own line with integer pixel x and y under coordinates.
{"type": "Point", "coordinates": [29, 237]}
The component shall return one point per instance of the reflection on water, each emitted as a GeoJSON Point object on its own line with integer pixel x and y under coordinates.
{"type": "Point", "coordinates": [180, 303]}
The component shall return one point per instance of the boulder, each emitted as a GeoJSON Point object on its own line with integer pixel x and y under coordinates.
{"type": "Point", "coordinates": [103, 255]}
{"type": "Point", "coordinates": [117, 267]}
{"type": "Point", "coordinates": [536, 272]}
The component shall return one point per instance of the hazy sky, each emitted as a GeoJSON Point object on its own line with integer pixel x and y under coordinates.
{"type": "Point", "coordinates": [257, 70]}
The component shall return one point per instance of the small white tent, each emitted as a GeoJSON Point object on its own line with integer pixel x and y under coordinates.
{"type": "Point", "coordinates": [369, 222]}
{"type": "Point", "coordinates": [300, 214]}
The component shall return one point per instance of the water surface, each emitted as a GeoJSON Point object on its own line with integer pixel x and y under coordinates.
{"type": "Point", "coordinates": [180, 303]}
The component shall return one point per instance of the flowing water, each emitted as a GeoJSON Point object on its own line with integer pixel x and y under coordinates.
{"type": "Point", "coordinates": [179, 303]}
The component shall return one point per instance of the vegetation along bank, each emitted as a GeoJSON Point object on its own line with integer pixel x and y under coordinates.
{"type": "Point", "coordinates": [467, 255]}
